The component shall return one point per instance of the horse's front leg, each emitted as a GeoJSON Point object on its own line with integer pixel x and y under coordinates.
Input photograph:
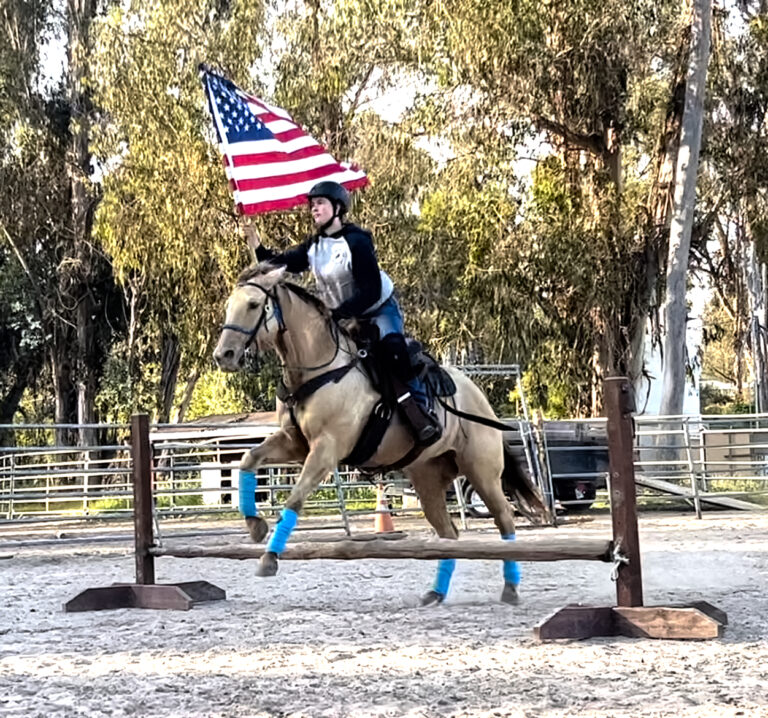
{"type": "Point", "coordinates": [321, 460]}
{"type": "Point", "coordinates": [284, 446]}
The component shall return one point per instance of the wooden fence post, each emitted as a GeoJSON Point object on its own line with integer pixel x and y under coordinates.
{"type": "Point", "coordinates": [619, 407]}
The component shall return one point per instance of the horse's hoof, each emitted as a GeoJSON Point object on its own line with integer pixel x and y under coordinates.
{"type": "Point", "coordinates": [431, 597]}
{"type": "Point", "coordinates": [257, 528]}
{"type": "Point", "coordinates": [509, 594]}
{"type": "Point", "coordinates": [267, 564]}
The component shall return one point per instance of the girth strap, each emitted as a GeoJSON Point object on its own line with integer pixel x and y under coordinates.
{"type": "Point", "coordinates": [291, 399]}
{"type": "Point", "coordinates": [373, 433]}
{"type": "Point", "coordinates": [368, 443]}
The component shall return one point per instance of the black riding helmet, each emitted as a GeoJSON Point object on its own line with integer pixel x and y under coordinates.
{"type": "Point", "coordinates": [333, 191]}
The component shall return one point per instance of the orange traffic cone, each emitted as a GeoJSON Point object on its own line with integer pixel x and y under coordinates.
{"type": "Point", "coordinates": [383, 523]}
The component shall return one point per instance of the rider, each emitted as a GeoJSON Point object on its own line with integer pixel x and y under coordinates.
{"type": "Point", "coordinates": [343, 262]}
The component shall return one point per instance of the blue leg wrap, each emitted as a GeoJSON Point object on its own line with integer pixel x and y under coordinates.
{"type": "Point", "coordinates": [445, 568]}
{"type": "Point", "coordinates": [247, 491]}
{"type": "Point", "coordinates": [282, 532]}
{"type": "Point", "coordinates": [511, 568]}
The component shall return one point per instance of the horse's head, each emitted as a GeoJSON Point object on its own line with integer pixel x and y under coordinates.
{"type": "Point", "coordinates": [252, 314]}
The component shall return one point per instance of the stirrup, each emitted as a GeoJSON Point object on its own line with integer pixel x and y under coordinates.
{"type": "Point", "coordinates": [424, 425]}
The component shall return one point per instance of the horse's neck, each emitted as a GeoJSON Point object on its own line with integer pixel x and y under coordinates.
{"type": "Point", "coordinates": [308, 342]}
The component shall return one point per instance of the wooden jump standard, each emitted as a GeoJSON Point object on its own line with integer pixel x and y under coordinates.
{"type": "Point", "coordinates": [628, 617]}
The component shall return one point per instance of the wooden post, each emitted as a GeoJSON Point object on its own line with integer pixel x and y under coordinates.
{"type": "Point", "coordinates": [619, 406]}
{"type": "Point", "coordinates": [141, 451]}
{"type": "Point", "coordinates": [629, 617]}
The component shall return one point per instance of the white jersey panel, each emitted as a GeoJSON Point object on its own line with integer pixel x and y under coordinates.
{"type": "Point", "coordinates": [330, 259]}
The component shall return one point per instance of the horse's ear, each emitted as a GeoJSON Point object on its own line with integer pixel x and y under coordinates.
{"type": "Point", "coordinates": [272, 276]}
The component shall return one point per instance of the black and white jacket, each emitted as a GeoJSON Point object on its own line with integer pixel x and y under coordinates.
{"type": "Point", "coordinates": [345, 268]}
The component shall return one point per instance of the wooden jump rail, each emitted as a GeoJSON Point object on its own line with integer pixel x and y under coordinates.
{"type": "Point", "coordinates": [426, 550]}
{"type": "Point", "coordinates": [629, 617]}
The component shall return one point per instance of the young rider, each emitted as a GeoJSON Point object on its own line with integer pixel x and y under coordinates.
{"type": "Point", "coordinates": [343, 261]}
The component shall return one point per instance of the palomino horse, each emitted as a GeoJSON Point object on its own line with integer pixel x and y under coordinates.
{"type": "Point", "coordinates": [330, 399]}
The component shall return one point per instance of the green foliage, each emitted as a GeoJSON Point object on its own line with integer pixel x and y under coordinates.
{"type": "Point", "coordinates": [221, 393]}
{"type": "Point", "coordinates": [179, 500]}
{"type": "Point", "coordinates": [553, 272]}
{"type": "Point", "coordinates": [166, 218]}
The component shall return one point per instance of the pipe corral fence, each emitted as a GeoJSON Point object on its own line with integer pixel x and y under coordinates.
{"type": "Point", "coordinates": [688, 461]}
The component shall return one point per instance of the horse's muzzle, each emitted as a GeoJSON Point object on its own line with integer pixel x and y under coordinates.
{"type": "Point", "coordinates": [228, 359]}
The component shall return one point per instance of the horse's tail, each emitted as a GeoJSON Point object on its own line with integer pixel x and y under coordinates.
{"type": "Point", "coordinates": [522, 489]}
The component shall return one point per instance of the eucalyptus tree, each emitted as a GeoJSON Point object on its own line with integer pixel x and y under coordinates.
{"type": "Point", "coordinates": [166, 217]}
{"type": "Point", "coordinates": [23, 132]}
{"type": "Point", "coordinates": [733, 194]}
{"type": "Point", "coordinates": [675, 308]}
{"type": "Point", "coordinates": [61, 288]}
{"type": "Point", "coordinates": [591, 78]}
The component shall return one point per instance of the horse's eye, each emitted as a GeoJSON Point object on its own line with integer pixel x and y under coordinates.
{"type": "Point", "coordinates": [253, 305]}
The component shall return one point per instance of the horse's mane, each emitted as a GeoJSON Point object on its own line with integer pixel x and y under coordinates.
{"type": "Point", "coordinates": [254, 272]}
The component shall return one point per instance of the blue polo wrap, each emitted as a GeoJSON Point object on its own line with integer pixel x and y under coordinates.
{"type": "Point", "coordinates": [445, 567]}
{"type": "Point", "coordinates": [511, 568]}
{"type": "Point", "coordinates": [247, 493]}
{"type": "Point", "coordinates": [283, 530]}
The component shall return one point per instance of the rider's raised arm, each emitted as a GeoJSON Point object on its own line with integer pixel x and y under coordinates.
{"type": "Point", "coordinates": [365, 272]}
{"type": "Point", "coordinates": [294, 259]}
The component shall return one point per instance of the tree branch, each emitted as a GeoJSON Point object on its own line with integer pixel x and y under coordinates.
{"type": "Point", "coordinates": [27, 272]}
{"type": "Point", "coordinates": [592, 143]}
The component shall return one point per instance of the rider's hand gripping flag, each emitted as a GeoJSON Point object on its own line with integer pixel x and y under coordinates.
{"type": "Point", "coordinates": [271, 163]}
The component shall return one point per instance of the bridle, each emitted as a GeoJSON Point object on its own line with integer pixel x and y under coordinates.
{"type": "Point", "coordinates": [277, 314]}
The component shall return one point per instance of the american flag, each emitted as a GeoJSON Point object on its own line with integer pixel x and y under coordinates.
{"type": "Point", "coordinates": [271, 163]}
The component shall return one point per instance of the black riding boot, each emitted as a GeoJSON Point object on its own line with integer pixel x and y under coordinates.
{"type": "Point", "coordinates": [425, 426]}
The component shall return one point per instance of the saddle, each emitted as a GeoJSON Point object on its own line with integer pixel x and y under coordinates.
{"type": "Point", "coordinates": [437, 381]}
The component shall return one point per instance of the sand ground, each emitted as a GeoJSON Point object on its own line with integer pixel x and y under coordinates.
{"type": "Point", "coordinates": [335, 638]}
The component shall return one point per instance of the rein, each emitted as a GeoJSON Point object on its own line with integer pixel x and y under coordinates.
{"type": "Point", "coordinates": [473, 417]}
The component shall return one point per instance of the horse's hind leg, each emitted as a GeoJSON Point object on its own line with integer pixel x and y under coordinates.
{"type": "Point", "coordinates": [430, 481]}
{"type": "Point", "coordinates": [484, 473]}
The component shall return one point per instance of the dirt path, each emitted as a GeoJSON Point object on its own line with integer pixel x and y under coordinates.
{"type": "Point", "coordinates": [347, 638]}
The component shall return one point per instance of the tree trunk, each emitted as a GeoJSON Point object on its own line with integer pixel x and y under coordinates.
{"type": "Point", "coordinates": [65, 410]}
{"type": "Point", "coordinates": [760, 324]}
{"type": "Point", "coordinates": [23, 371]}
{"type": "Point", "coordinates": [675, 310]}
{"type": "Point", "coordinates": [80, 14]}
{"type": "Point", "coordinates": [169, 361]}
{"type": "Point", "coordinates": [645, 332]}
{"type": "Point", "coordinates": [186, 397]}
